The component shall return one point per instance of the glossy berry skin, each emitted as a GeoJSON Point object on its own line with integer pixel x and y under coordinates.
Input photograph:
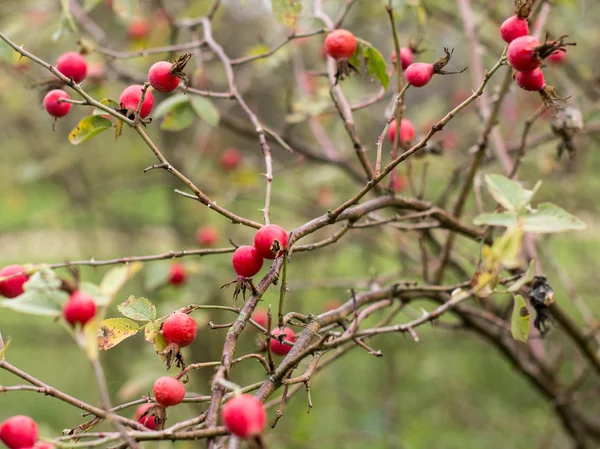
{"type": "Point", "coordinates": [558, 57]}
{"type": "Point", "coordinates": [130, 98]}
{"type": "Point", "coordinates": [244, 416]}
{"type": "Point", "coordinates": [246, 261]}
{"type": "Point", "coordinates": [260, 316]}
{"type": "Point", "coordinates": [514, 27]}
{"type": "Point", "coordinates": [406, 57]}
{"type": "Point", "coordinates": [407, 131]}
{"type": "Point", "coordinates": [207, 236]}
{"type": "Point", "coordinates": [161, 78]}
{"type": "Point", "coordinates": [72, 65]}
{"type": "Point", "coordinates": [179, 329]}
{"type": "Point", "coordinates": [280, 348]}
{"type": "Point", "coordinates": [268, 238]}
{"type": "Point", "coordinates": [79, 309]}
{"type": "Point", "coordinates": [147, 421]}
{"type": "Point", "coordinates": [230, 159]}
{"type": "Point", "coordinates": [168, 391]}
{"type": "Point", "coordinates": [419, 74]}
{"type": "Point", "coordinates": [340, 44]}
{"type": "Point", "coordinates": [533, 80]}
{"type": "Point", "coordinates": [521, 54]}
{"type": "Point", "coordinates": [138, 28]}
{"type": "Point", "coordinates": [13, 287]}
{"type": "Point", "coordinates": [19, 432]}
{"type": "Point", "coordinates": [53, 106]}
{"type": "Point", "coordinates": [177, 274]}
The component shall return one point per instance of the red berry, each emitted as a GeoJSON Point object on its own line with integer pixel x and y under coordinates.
{"type": "Point", "coordinates": [533, 80]}
{"type": "Point", "coordinates": [247, 261]}
{"type": "Point", "coordinates": [161, 78]}
{"type": "Point", "coordinates": [207, 235]}
{"type": "Point", "coordinates": [72, 65]}
{"type": "Point", "coordinates": [522, 55]}
{"type": "Point", "coordinates": [97, 73]}
{"type": "Point", "coordinates": [230, 159]}
{"type": "Point", "coordinates": [260, 316]}
{"type": "Point", "coordinates": [138, 28]}
{"type": "Point", "coordinates": [148, 421]}
{"type": "Point", "coordinates": [19, 432]}
{"type": "Point", "coordinates": [53, 106]}
{"type": "Point", "coordinates": [340, 44]}
{"type": "Point", "coordinates": [79, 309]}
{"type": "Point", "coordinates": [558, 57]}
{"type": "Point", "coordinates": [399, 182]}
{"type": "Point", "coordinates": [168, 391]}
{"type": "Point", "coordinates": [179, 329]}
{"type": "Point", "coordinates": [244, 416]}
{"type": "Point", "coordinates": [280, 348]}
{"type": "Point", "coordinates": [406, 57]}
{"type": "Point", "coordinates": [419, 73]}
{"type": "Point", "coordinates": [514, 27]}
{"type": "Point", "coordinates": [13, 287]}
{"type": "Point", "coordinates": [270, 241]}
{"type": "Point", "coordinates": [177, 275]}
{"type": "Point", "coordinates": [131, 96]}
{"type": "Point", "coordinates": [407, 131]}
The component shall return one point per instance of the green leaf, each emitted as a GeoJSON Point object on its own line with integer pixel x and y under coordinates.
{"type": "Point", "coordinates": [47, 303]}
{"type": "Point", "coordinates": [109, 102]}
{"type": "Point", "coordinates": [526, 278]}
{"type": "Point", "coordinates": [510, 194]}
{"type": "Point", "coordinates": [508, 247]}
{"type": "Point", "coordinates": [4, 348]}
{"type": "Point", "coordinates": [549, 218]}
{"type": "Point", "coordinates": [88, 340]}
{"type": "Point", "coordinates": [506, 219]}
{"type": "Point", "coordinates": [63, 27]}
{"type": "Point", "coordinates": [153, 335]}
{"type": "Point", "coordinates": [355, 59]}
{"type": "Point", "coordinates": [165, 106]}
{"type": "Point", "coordinates": [113, 331]}
{"type": "Point", "coordinates": [88, 128]}
{"type": "Point", "coordinates": [42, 280]}
{"type": "Point", "coordinates": [126, 9]}
{"type": "Point", "coordinates": [42, 295]}
{"type": "Point", "coordinates": [100, 298]}
{"type": "Point", "coordinates": [116, 278]}
{"type": "Point", "coordinates": [177, 112]}
{"type": "Point", "coordinates": [66, 10]}
{"type": "Point", "coordinates": [422, 15]}
{"type": "Point", "coordinates": [287, 11]}
{"type": "Point", "coordinates": [156, 275]}
{"type": "Point", "coordinates": [519, 323]}
{"type": "Point", "coordinates": [205, 109]}
{"type": "Point", "coordinates": [139, 309]}
{"type": "Point", "coordinates": [376, 65]}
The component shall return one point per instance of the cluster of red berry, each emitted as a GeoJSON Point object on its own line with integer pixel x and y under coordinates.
{"type": "Point", "coordinates": [525, 53]}
{"type": "Point", "coordinates": [269, 243]}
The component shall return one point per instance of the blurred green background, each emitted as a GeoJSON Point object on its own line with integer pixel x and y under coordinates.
{"type": "Point", "coordinates": [61, 202]}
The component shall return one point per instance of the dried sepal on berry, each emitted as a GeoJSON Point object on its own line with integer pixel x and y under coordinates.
{"type": "Point", "coordinates": [550, 97]}
{"type": "Point", "coordinates": [178, 67]}
{"type": "Point", "coordinates": [523, 8]}
{"type": "Point", "coordinates": [438, 66]}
